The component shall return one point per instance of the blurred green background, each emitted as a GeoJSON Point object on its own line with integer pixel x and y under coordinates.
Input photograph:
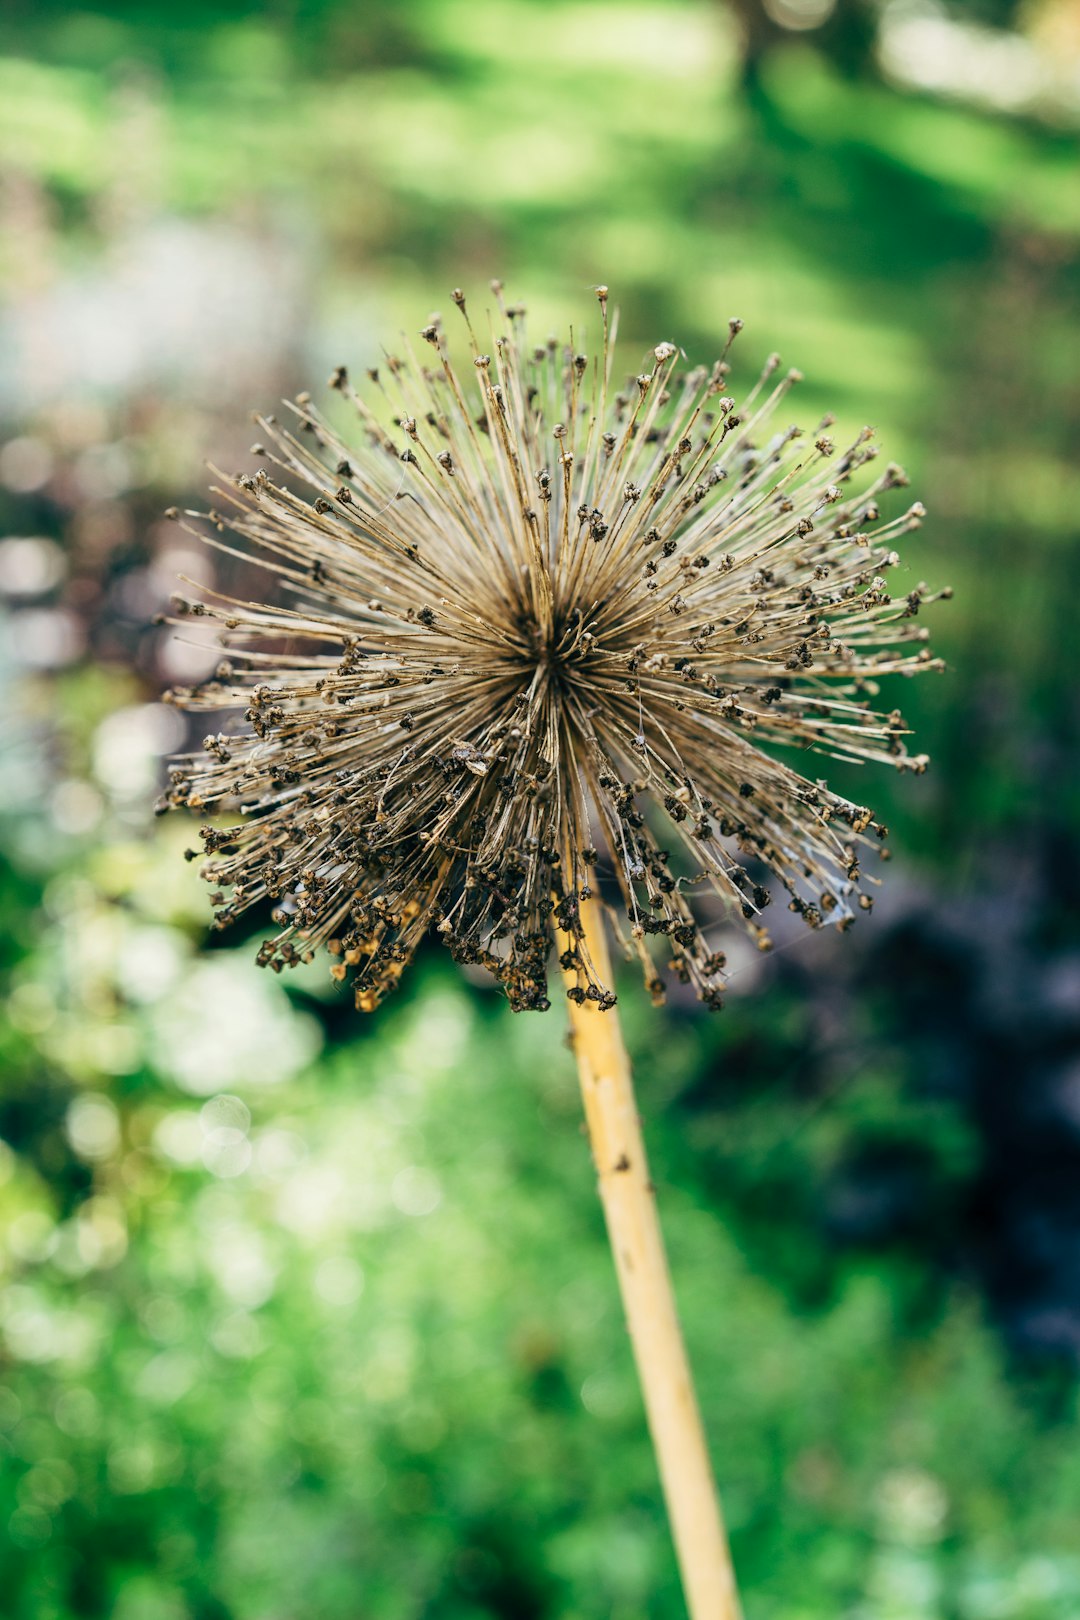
{"type": "Point", "coordinates": [311, 1318]}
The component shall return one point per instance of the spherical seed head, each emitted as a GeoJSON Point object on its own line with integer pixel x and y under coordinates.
{"type": "Point", "coordinates": [542, 635]}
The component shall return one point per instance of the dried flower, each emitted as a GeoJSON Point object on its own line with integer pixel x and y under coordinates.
{"type": "Point", "coordinates": [537, 631]}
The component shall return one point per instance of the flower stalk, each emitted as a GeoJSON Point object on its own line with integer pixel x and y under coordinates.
{"type": "Point", "coordinates": [629, 1200]}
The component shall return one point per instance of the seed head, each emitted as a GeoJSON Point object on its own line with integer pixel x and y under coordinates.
{"type": "Point", "coordinates": [538, 636]}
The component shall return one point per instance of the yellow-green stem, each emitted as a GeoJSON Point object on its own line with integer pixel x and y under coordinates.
{"type": "Point", "coordinates": [648, 1298]}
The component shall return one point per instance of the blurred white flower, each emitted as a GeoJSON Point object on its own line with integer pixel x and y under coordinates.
{"type": "Point", "coordinates": [93, 1126]}
{"type": "Point", "coordinates": [128, 746]}
{"type": "Point", "coordinates": [225, 1026]}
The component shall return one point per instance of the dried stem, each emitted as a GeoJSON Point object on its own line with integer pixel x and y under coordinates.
{"type": "Point", "coordinates": [645, 1284]}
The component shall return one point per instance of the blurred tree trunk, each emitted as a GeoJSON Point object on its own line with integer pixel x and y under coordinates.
{"type": "Point", "coordinates": [846, 32]}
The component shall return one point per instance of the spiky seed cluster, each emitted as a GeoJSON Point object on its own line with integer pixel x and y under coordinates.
{"type": "Point", "coordinates": [537, 630]}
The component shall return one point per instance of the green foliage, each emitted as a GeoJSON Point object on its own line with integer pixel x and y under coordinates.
{"type": "Point", "coordinates": [333, 1335]}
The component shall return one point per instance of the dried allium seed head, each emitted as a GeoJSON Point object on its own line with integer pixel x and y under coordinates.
{"type": "Point", "coordinates": [531, 616]}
